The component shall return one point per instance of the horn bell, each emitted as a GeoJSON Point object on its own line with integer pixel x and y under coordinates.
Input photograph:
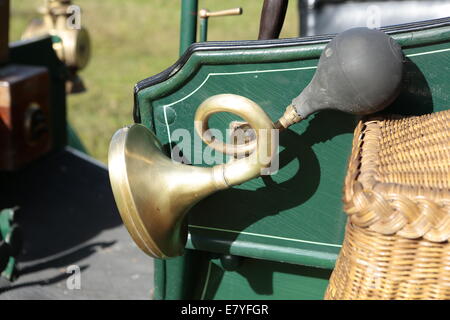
{"type": "Point", "coordinates": [147, 185]}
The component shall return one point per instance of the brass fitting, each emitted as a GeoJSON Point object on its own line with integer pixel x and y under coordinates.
{"type": "Point", "coordinates": [74, 45]}
{"type": "Point", "coordinates": [289, 117]}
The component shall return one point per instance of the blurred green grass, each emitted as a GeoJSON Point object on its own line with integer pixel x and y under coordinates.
{"type": "Point", "coordinates": [132, 40]}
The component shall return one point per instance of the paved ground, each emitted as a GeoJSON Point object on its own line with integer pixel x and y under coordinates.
{"type": "Point", "coordinates": [69, 218]}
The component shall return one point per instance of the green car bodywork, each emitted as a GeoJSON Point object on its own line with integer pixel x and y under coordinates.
{"type": "Point", "coordinates": [282, 233]}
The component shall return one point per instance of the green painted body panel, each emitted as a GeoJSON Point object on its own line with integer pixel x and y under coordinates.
{"type": "Point", "coordinates": [260, 279]}
{"type": "Point", "coordinates": [200, 275]}
{"type": "Point", "coordinates": [7, 225]}
{"type": "Point", "coordinates": [293, 218]}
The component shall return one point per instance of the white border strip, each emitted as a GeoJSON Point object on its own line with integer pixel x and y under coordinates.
{"type": "Point", "coordinates": [266, 236]}
{"type": "Point", "coordinates": [234, 73]}
{"type": "Point", "coordinates": [427, 52]}
{"type": "Point", "coordinates": [205, 287]}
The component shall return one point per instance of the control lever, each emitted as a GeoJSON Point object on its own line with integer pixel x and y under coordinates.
{"type": "Point", "coordinates": [272, 19]}
{"type": "Point", "coordinates": [205, 14]}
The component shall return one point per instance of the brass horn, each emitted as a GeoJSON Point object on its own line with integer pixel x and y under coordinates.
{"type": "Point", "coordinates": [153, 193]}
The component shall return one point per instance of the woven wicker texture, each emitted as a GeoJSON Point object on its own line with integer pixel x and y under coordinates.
{"type": "Point", "coordinates": [397, 195]}
{"type": "Point", "coordinates": [374, 266]}
{"type": "Point", "coordinates": [398, 179]}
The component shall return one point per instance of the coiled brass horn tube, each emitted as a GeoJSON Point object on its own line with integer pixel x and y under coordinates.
{"type": "Point", "coordinates": [244, 169]}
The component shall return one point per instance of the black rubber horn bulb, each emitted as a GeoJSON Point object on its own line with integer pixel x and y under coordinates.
{"type": "Point", "coordinates": [360, 72]}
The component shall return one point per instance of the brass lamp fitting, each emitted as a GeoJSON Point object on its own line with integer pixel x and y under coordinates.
{"type": "Point", "coordinates": [71, 44]}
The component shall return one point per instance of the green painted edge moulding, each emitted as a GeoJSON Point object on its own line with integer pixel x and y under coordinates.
{"type": "Point", "coordinates": [265, 55]}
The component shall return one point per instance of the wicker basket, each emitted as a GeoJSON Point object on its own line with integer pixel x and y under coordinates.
{"type": "Point", "coordinates": [397, 196]}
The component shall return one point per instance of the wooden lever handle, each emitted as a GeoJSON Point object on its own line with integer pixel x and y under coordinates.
{"type": "Point", "coordinates": [204, 13]}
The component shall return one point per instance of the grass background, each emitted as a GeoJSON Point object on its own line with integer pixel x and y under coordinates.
{"type": "Point", "coordinates": [132, 40]}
